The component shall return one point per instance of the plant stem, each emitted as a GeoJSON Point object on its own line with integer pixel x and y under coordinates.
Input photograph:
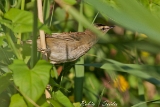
{"type": "Point", "coordinates": [79, 70]}
{"type": "Point", "coordinates": [34, 38]}
{"type": "Point", "coordinates": [16, 51]}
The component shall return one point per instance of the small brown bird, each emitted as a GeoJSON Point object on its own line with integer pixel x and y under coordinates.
{"type": "Point", "coordinates": [68, 47]}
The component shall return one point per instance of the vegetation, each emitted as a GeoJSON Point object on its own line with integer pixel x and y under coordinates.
{"type": "Point", "coordinates": [122, 69]}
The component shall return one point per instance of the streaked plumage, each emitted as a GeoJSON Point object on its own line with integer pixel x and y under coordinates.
{"type": "Point", "coordinates": [67, 47]}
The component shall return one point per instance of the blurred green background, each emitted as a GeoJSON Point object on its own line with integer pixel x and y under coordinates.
{"type": "Point", "coordinates": [122, 69]}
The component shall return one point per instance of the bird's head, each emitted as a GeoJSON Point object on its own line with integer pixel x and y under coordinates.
{"type": "Point", "coordinates": [103, 28]}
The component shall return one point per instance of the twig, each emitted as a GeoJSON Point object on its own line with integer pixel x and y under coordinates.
{"type": "Point", "coordinates": [42, 37]}
{"type": "Point", "coordinates": [40, 16]}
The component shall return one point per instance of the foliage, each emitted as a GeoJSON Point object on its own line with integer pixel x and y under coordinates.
{"type": "Point", "coordinates": [122, 69]}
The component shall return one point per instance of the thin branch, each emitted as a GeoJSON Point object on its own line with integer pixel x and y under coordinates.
{"type": "Point", "coordinates": [40, 16]}
{"type": "Point", "coordinates": [42, 36]}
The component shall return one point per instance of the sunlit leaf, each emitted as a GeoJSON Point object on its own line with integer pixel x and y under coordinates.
{"type": "Point", "coordinates": [22, 21]}
{"type": "Point", "coordinates": [56, 103]}
{"type": "Point", "coordinates": [61, 98]}
{"type": "Point", "coordinates": [31, 82]}
{"type": "Point", "coordinates": [17, 101]}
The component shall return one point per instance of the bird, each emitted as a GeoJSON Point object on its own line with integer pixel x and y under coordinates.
{"type": "Point", "coordinates": [70, 46]}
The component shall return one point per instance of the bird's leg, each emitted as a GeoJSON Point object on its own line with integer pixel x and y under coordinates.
{"type": "Point", "coordinates": [44, 50]}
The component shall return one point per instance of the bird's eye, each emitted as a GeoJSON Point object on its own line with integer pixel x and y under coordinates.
{"type": "Point", "coordinates": [103, 28]}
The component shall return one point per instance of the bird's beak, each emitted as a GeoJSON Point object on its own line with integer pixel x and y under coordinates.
{"type": "Point", "coordinates": [111, 27]}
{"type": "Point", "coordinates": [107, 28]}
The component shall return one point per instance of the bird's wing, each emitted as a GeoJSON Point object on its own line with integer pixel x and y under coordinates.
{"type": "Point", "coordinates": [72, 36]}
{"type": "Point", "coordinates": [79, 51]}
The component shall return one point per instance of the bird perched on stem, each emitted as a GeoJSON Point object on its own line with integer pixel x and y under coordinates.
{"type": "Point", "coordinates": [68, 47]}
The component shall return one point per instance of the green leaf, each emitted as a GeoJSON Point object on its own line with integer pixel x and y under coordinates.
{"type": "Point", "coordinates": [6, 55]}
{"type": "Point", "coordinates": [78, 81]}
{"type": "Point", "coordinates": [145, 102]}
{"type": "Point", "coordinates": [148, 72]}
{"type": "Point", "coordinates": [4, 81]}
{"type": "Point", "coordinates": [43, 101]}
{"type": "Point", "coordinates": [144, 45]}
{"type": "Point", "coordinates": [77, 104]}
{"type": "Point", "coordinates": [55, 103]}
{"type": "Point", "coordinates": [92, 87]}
{"type": "Point", "coordinates": [17, 101]}
{"type": "Point", "coordinates": [22, 21]}
{"type": "Point", "coordinates": [154, 7]}
{"type": "Point", "coordinates": [1, 39]}
{"type": "Point", "coordinates": [70, 2]}
{"type": "Point", "coordinates": [32, 82]}
{"type": "Point", "coordinates": [6, 22]}
{"type": "Point", "coordinates": [61, 98]}
{"type": "Point", "coordinates": [130, 14]}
